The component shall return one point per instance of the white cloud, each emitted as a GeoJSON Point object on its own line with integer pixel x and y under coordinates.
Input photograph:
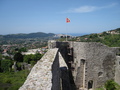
{"type": "Point", "coordinates": [108, 6]}
{"type": "Point", "coordinates": [82, 9]}
{"type": "Point", "coordinates": [85, 9]}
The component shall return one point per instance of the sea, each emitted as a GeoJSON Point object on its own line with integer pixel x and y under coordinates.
{"type": "Point", "coordinates": [77, 34]}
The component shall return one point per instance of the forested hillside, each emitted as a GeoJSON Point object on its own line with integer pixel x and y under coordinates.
{"type": "Point", "coordinates": [110, 38]}
{"type": "Point", "coordinates": [30, 35]}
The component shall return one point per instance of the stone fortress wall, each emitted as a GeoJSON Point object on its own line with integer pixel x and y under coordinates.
{"type": "Point", "coordinates": [48, 73]}
{"type": "Point", "coordinates": [91, 63]}
{"type": "Point", "coordinates": [74, 66]}
{"type": "Point", "coordinates": [117, 70]}
{"type": "Point", "coordinates": [94, 64]}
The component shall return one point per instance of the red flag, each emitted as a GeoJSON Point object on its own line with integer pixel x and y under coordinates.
{"type": "Point", "coordinates": [67, 20]}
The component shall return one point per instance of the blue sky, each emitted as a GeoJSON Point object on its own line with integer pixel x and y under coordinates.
{"type": "Point", "coordinates": [86, 16]}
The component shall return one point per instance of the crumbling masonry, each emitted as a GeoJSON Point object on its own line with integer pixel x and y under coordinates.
{"type": "Point", "coordinates": [85, 65]}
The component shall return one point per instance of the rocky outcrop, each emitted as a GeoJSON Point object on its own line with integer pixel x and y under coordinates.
{"type": "Point", "coordinates": [23, 66]}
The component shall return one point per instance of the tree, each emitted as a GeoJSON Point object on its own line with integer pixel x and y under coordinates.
{"type": "Point", "coordinates": [27, 58]}
{"type": "Point", "coordinates": [6, 65]}
{"type": "Point", "coordinates": [22, 49]}
{"type": "Point", "coordinates": [38, 56]}
{"type": "Point", "coordinates": [18, 57]}
{"type": "Point", "coordinates": [0, 56]}
{"type": "Point", "coordinates": [1, 50]}
{"type": "Point", "coordinates": [104, 33]}
{"type": "Point", "coordinates": [111, 85]}
{"type": "Point", "coordinates": [0, 61]}
{"type": "Point", "coordinates": [7, 57]}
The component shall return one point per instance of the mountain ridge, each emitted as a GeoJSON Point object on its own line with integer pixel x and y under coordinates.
{"type": "Point", "coordinates": [29, 35]}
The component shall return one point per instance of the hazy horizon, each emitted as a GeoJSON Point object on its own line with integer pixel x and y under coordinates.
{"type": "Point", "coordinates": [73, 34]}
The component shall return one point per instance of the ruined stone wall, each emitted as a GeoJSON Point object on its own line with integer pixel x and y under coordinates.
{"type": "Point", "coordinates": [41, 75]}
{"type": "Point", "coordinates": [50, 73]}
{"type": "Point", "coordinates": [67, 54]}
{"type": "Point", "coordinates": [51, 44]}
{"type": "Point", "coordinates": [98, 64]}
{"type": "Point", "coordinates": [84, 64]}
{"type": "Point", "coordinates": [92, 65]}
{"type": "Point", "coordinates": [79, 53]}
{"type": "Point", "coordinates": [117, 70]}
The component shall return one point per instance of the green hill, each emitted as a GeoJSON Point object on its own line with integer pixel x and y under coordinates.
{"type": "Point", "coordinates": [110, 38]}
{"type": "Point", "coordinates": [30, 35]}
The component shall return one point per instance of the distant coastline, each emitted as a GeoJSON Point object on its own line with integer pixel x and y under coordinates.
{"type": "Point", "coordinates": [77, 34]}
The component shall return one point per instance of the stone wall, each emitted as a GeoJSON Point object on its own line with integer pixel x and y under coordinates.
{"type": "Point", "coordinates": [117, 69]}
{"type": "Point", "coordinates": [51, 44]}
{"type": "Point", "coordinates": [40, 76]}
{"type": "Point", "coordinates": [94, 64]}
{"type": "Point", "coordinates": [74, 66]}
{"type": "Point", "coordinates": [48, 73]}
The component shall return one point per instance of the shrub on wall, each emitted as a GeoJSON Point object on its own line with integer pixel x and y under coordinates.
{"type": "Point", "coordinates": [111, 85]}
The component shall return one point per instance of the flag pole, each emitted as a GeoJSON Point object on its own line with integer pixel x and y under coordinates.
{"type": "Point", "coordinates": [67, 21]}
{"type": "Point", "coordinates": [66, 29]}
